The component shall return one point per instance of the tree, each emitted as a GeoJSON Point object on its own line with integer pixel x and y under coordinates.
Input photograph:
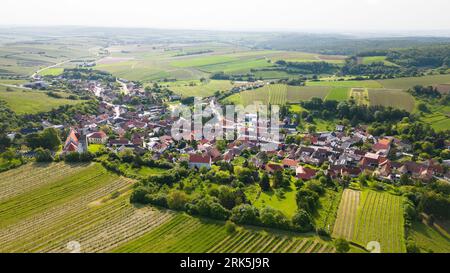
{"type": "Point", "coordinates": [264, 183]}
{"type": "Point", "coordinates": [230, 227]}
{"type": "Point", "coordinates": [341, 245]}
{"type": "Point", "coordinates": [43, 155]}
{"type": "Point", "coordinates": [177, 200]}
{"type": "Point", "coordinates": [245, 214]}
{"type": "Point", "coordinates": [273, 218]}
{"type": "Point", "coordinates": [50, 139]}
{"type": "Point", "coordinates": [302, 221]}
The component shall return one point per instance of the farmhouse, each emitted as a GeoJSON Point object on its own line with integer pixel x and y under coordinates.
{"type": "Point", "coordinates": [72, 143]}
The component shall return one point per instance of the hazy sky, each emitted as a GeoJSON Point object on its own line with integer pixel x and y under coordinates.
{"type": "Point", "coordinates": [338, 15]}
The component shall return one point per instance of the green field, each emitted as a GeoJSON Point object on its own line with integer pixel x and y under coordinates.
{"type": "Point", "coordinates": [395, 98]}
{"type": "Point", "coordinates": [429, 239]}
{"type": "Point", "coordinates": [338, 94]}
{"type": "Point", "coordinates": [350, 84]}
{"type": "Point", "coordinates": [371, 216]}
{"type": "Point", "coordinates": [326, 214]}
{"type": "Point", "coordinates": [187, 234]}
{"type": "Point", "coordinates": [380, 218]}
{"type": "Point", "coordinates": [377, 59]}
{"type": "Point", "coordinates": [438, 117]}
{"type": "Point", "coordinates": [30, 101]}
{"type": "Point", "coordinates": [406, 83]}
{"type": "Point", "coordinates": [279, 94]}
{"type": "Point", "coordinates": [55, 71]}
{"type": "Point", "coordinates": [199, 89]}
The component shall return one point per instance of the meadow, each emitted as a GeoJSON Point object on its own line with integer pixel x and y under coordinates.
{"type": "Point", "coordinates": [24, 101]}
{"type": "Point", "coordinates": [338, 94]}
{"type": "Point", "coordinates": [409, 82]}
{"type": "Point", "coordinates": [349, 84]}
{"type": "Point", "coordinates": [429, 239]}
{"type": "Point", "coordinates": [376, 59]}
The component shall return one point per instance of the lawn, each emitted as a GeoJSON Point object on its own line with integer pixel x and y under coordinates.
{"type": "Point", "coordinates": [30, 101]}
{"type": "Point", "coordinates": [93, 148]}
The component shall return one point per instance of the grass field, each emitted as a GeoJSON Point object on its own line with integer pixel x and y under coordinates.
{"type": "Point", "coordinates": [30, 101]}
{"type": "Point", "coordinates": [380, 218]}
{"type": "Point", "coordinates": [326, 214]}
{"type": "Point", "coordinates": [187, 234]}
{"type": "Point", "coordinates": [395, 98]}
{"type": "Point", "coordinates": [285, 203]}
{"type": "Point", "coordinates": [377, 59]}
{"type": "Point", "coordinates": [54, 71]}
{"type": "Point", "coordinates": [438, 117]}
{"type": "Point", "coordinates": [429, 239]}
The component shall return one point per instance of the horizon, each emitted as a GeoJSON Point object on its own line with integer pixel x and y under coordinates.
{"type": "Point", "coordinates": [321, 16]}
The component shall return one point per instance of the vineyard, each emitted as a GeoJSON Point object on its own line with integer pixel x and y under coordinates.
{"type": "Point", "coordinates": [380, 218]}
{"type": "Point", "coordinates": [346, 217]}
{"type": "Point", "coordinates": [395, 98]}
{"type": "Point", "coordinates": [187, 234]}
{"type": "Point", "coordinates": [75, 203]}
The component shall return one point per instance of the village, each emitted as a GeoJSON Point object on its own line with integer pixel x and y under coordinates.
{"type": "Point", "coordinates": [146, 129]}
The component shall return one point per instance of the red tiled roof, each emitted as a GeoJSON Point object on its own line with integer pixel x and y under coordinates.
{"type": "Point", "coordinates": [199, 158]}
{"type": "Point", "coordinates": [305, 173]}
{"type": "Point", "coordinates": [289, 162]}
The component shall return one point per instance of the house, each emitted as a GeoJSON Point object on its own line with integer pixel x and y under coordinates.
{"type": "Point", "coordinates": [272, 168]}
{"type": "Point", "coordinates": [289, 163]}
{"type": "Point", "coordinates": [199, 160]}
{"type": "Point", "coordinates": [97, 138]}
{"type": "Point", "coordinates": [382, 146]}
{"type": "Point", "coordinates": [304, 173]}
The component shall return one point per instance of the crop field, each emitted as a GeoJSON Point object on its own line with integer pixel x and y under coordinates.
{"type": "Point", "coordinates": [380, 218]}
{"type": "Point", "coordinates": [430, 239]}
{"type": "Point", "coordinates": [187, 234]}
{"type": "Point", "coordinates": [347, 213]}
{"type": "Point", "coordinates": [406, 83]}
{"type": "Point", "coordinates": [360, 95]}
{"type": "Point", "coordinates": [438, 118]}
{"type": "Point", "coordinates": [376, 59]}
{"type": "Point", "coordinates": [293, 56]}
{"type": "Point", "coordinates": [24, 101]}
{"type": "Point", "coordinates": [349, 84]}
{"type": "Point", "coordinates": [279, 94]}
{"type": "Point", "coordinates": [199, 89]}
{"type": "Point", "coordinates": [46, 206]}
{"type": "Point", "coordinates": [338, 94]}
{"type": "Point", "coordinates": [395, 98]}
{"type": "Point", "coordinates": [54, 71]}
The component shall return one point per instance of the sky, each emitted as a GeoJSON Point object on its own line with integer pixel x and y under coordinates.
{"type": "Point", "coordinates": [290, 15]}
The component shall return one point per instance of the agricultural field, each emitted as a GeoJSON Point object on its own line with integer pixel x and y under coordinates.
{"type": "Point", "coordinates": [54, 71]}
{"type": "Point", "coordinates": [46, 206]}
{"type": "Point", "coordinates": [199, 89]}
{"type": "Point", "coordinates": [395, 98]}
{"type": "Point", "coordinates": [429, 239]}
{"type": "Point", "coordinates": [360, 95]}
{"type": "Point", "coordinates": [24, 101]}
{"type": "Point", "coordinates": [376, 59]}
{"type": "Point", "coordinates": [279, 94]}
{"type": "Point", "coordinates": [326, 214]}
{"type": "Point", "coordinates": [380, 218]}
{"type": "Point", "coordinates": [406, 83]}
{"type": "Point", "coordinates": [346, 215]}
{"type": "Point", "coordinates": [187, 234]}
{"type": "Point", "coordinates": [438, 117]}
{"type": "Point", "coordinates": [338, 94]}
{"type": "Point", "coordinates": [371, 216]}
{"type": "Point", "coordinates": [349, 84]}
